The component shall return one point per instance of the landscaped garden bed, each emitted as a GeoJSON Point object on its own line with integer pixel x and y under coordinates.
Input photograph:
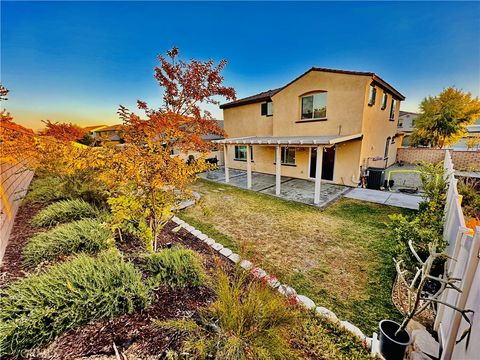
{"type": "Point", "coordinates": [146, 331]}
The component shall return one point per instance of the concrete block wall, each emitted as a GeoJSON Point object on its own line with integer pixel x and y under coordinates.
{"type": "Point", "coordinates": [466, 159]}
{"type": "Point", "coordinates": [462, 159]}
{"type": "Point", "coordinates": [14, 182]}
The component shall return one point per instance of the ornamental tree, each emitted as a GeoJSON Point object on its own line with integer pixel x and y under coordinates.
{"type": "Point", "coordinates": [444, 118]}
{"type": "Point", "coordinates": [147, 179]}
{"type": "Point", "coordinates": [63, 131]}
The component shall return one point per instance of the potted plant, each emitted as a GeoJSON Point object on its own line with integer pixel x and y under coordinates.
{"type": "Point", "coordinates": [394, 338]}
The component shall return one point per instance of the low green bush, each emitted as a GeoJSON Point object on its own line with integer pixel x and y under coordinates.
{"type": "Point", "coordinates": [470, 197]}
{"type": "Point", "coordinates": [35, 309]}
{"type": "Point", "coordinates": [426, 226]}
{"type": "Point", "coordinates": [175, 267]}
{"type": "Point", "coordinates": [47, 187]}
{"type": "Point", "coordinates": [64, 211]}
{"type": "Point", "coordinates": [46, 190]}
{"type": "Point", "coordinates": [251, 322]}
{"type": "Point", "coordinates": [87, 235]}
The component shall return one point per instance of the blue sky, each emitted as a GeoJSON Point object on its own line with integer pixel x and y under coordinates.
{"type": "Point", "coordinates": [77, 61]}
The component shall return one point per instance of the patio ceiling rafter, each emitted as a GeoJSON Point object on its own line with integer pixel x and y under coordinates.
{"type": "Point", "coordinates": [304, 141]}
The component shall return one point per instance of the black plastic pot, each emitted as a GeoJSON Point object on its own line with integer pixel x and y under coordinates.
{"type": "Point", "coordinates": [393, 347]}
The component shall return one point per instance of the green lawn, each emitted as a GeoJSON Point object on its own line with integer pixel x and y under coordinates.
{"type": "Point", "coordinates": [341, 257]}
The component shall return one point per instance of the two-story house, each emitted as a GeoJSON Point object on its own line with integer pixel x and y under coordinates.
{"type": "Point", "coordinates": [325, 125]}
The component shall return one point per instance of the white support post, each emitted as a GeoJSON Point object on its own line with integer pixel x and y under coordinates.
{"type": "Point", "coordinates": [318, 175]}
{"type": "Point", "coordinates": [225, 162]}
{"type": "Point", "coordinates": [249, 167]}
{"type": "Point", "coordinates": [278, 167]}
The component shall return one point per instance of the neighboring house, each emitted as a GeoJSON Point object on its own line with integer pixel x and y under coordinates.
{"type": "Point", "coordinates": [112, 135]}
{"type": "Point", "coordinates": [108, 135]}
{"type": "Point", "coordinates": [92, 129]}
{"type": "Point", "coordinates": [406, 124]}
{"type": "Point", "coordinates": [328, 124]}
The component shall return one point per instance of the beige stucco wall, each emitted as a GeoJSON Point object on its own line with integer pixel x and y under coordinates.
{"type": "Point", "coordinates": [376, 127]}
{"type": "Point", "coordinates": [247, 120]}
{"type": "Point", "coordinates": [346, 169]}
{"type": "Point", "coordinates": [345, 103]}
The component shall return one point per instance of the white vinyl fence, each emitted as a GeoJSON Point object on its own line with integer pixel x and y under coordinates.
{"type": "Point", "coordinates": [463, 250]}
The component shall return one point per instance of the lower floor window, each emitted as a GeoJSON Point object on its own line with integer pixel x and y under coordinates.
{"type": "Point", "coordinates": [287, 155]}
{"type": "Point", "coordinates": [241, 152]}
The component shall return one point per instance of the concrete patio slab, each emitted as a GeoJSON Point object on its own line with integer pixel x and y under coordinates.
{"type": "Point", "coordinates": [386, 198]}
{"type": "Point", "coordinates": [303, 191]}
{"type": "Point", "coordinates": [291, 189]}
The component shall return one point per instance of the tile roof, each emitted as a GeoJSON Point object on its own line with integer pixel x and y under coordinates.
{"type": "Point", "coordinates": [263, 96]}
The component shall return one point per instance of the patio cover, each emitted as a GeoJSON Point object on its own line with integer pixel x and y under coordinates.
{"type": "Point", "coordinates": [289, 140]}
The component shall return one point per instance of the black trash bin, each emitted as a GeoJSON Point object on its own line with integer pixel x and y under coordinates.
{"type": "Point", "coordinates": [375, 178]}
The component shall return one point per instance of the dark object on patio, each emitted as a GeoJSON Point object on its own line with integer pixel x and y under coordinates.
{"type": "Point", "coordinates": [389, 185]}
{"type": "Point", "coordinates": [393, 347]}
{"type": "Point", "coordinates": [212, 160]}
{"type": "Point", "coordinates": [408, 190]}
{"type": "Point", "coordinates": [375, 178]}
{"type": "Point", "coordinates": [190, 159]}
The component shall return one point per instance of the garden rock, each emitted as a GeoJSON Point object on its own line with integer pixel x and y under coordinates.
{"type": "Point", "coordinates": [353, 329]}
{"type": "Point", "coordinates": [217, 246]}
{"type": "Point", "coordinates": [259, 273]}
{"type": "Point", "coordinates": [226, 252]}
{"type": "Point", "coordinates": [326, 313]}
{"type": "Point", "coordinates": [196, 232]}
{"type": "Point", "coordinates": [189, 228]}
{"type": "Point", "coordinates": [209, 241]}
{"type": "Point", "coordinates": [306, 301]}
{"type": "Point", "coordinates": [235, 258]}
{"type": "Point", "coordinates": [273, 282]}
{"type": "Point", "coordinates": [245, 264]}
{"type": "Point", "coordinates": [286, 290]}
{"type": "Point", "coordinates": [202, 237]}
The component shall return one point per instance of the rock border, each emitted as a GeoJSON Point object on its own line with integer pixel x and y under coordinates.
{"type": "Point", "coordinates": [275, 284]}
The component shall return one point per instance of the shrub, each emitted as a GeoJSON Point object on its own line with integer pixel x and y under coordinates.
{"type": "Point", "coordinates": [47, 188]}
{"type": "Point", "coordinates": [427, 225]}
{"type": "Point", "coordinates": [175, 267]}
{"type": "Point", "coordinates": [64, 211]}
{"type": "Point", "coordinates": [87, 235]}
{"type": "Point", "coordinates": [469, 189]}
{"type": "Point", "coordinates": [250, 321]}
{"type": "Point", "coordinates": [39, 307]}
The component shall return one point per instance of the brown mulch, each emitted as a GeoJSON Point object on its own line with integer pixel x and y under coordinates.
{"type": "Point", "coordinates": [134, 335]}
{"type": "Point", "coordinates": [22, 231]}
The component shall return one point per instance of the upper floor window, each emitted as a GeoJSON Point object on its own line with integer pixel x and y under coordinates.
{"type": "Point", "coordinates": [392, 110]}
{"type": "Point", "coordinates": [314, 106]}
{"type": "Point", "coordinates": [241, 152]}
{"type": "Point", "coordinates": [371, 96]}
{"type": "Point", "coordinates": [287, 155]}
{"type": "Point", "coordinates": [267, 108]}
{"type": "Point", "coordinates": [384, 101]}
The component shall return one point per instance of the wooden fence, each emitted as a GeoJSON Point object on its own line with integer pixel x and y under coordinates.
{"type": "Point", "coordinates": [463, 250]}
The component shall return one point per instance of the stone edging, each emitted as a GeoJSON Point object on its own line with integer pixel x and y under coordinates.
{"type": "Point", "coordinates": [272, 281]}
